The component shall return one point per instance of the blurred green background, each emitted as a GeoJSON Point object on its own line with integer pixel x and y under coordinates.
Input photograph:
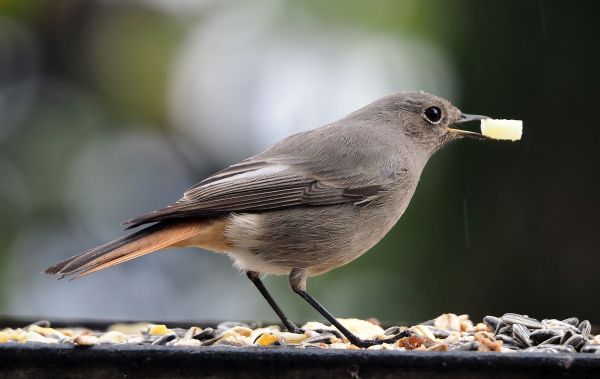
{"type": "Point", "coordinates": [109, 109]}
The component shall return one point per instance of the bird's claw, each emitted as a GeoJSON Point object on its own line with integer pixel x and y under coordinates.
{"type": "Point", "coordinates": [367, 343]}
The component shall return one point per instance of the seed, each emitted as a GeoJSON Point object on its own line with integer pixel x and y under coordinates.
{"type": "Point", "coordinates": [441, 334]}
{"type": "Point", "coordinates": [576, 341]}
{"type": "Point", "coordinates": [492, 321]}
{"type": "Point", "coordinates": [540, 335]}
{"type": "Point", "coordinates": [293, 338]}
{"type": "Point", "coordinates": [521, 334]}
{"type": "Point", "coordinates": [556, 324]}
{"type": "Point", "coordinates": [113, 337]}
{"type": "Point", "coordinates": [36, 337]}
{"type": "Point", "coordinates": [568, 334]}
{"type": "Point", "coordinates": [207, 334]}
{"type": "Point", "coordinates": [422, 331]}
{"type": "Point", "coordinates": [571, 321]}
{"type": "Point", "coordinates": [392, 331]}
{"type": "Point", "coordinates": [552, 348]}
{"type": "Point", "coordinates": [552, 340]}
{"type": "Point", "coordinates": [242, 331]}
{"type": "Point", "coordinates": [500, 325]}
{"type": "Point", "coordinates": [438, 347]}
{"type": "Point", "coordinates": [231, 324]}
{"type": "Point", "coordinates": [514, 318]}
{"type": "Point", "coordinates": [192, 332]}
{"type": "Point", "coordinates": [586, 329]}
{"type": "Point", "coordinates": [164, 339]}
{"type": "Point", "coordinates": [507, 330]}
{"type": "Point", "coordinates": [85, 340]}
{"type": "Point", "coordinates": [466, 325]}
{"type": "Point", "coordinates": [187, 342]}
{"type": "Point", "coordinates": [469, 346]}
{"type": "Point", "coordinates": [447, 321]}
{"type": "Point", "coordinates": [591, 348]}
{"type": "Point", "coordinates": [41, 323]}
{"type": "Point", "coordinates": [325, 338]}
{"type": "Point", "coordinates": [487, 342]}
{"type": "Point", "coordinates": [266, 339]}
{"type": "Point", "coordinates": [361, 328]}
{"type": "Point", "coordinates": [158, 330]}
{"type": "Point", "coordinates": [507, 339]}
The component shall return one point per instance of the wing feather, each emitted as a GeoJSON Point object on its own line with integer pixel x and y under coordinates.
{"type": "Point", "coordinates": [255, 186]}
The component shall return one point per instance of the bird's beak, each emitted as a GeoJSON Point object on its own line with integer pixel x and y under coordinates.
{"type": "Point", "coordinates": [459, 133]}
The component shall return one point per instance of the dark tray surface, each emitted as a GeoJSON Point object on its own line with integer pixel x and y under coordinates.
{"type": "Point", "coordinates": [48, 361]}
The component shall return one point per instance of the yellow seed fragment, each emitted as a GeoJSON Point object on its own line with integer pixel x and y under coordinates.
{"type": "Point", "coordinates": [7, 335]}
{"type": "Point", "coordinates": [159, 330]}
{"type": "Point", "coordinates": [266, 339]}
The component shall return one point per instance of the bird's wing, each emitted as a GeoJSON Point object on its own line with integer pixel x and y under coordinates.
{"type": "Point", "coordinates": [257, 186]}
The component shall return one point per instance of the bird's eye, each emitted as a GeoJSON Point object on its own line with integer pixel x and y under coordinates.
{"type": "Point", "coordinates": [432, 114]}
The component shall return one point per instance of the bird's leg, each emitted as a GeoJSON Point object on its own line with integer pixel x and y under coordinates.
{"type": "Point", "coordinates": [255, 278]}
{"type": "Point", "coordinates": [297, 280]}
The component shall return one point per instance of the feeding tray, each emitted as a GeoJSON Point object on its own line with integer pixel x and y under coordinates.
{"type": "Point", "coordinates": [161, 352]}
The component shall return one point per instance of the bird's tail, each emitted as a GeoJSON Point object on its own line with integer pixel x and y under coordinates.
{"type": "Point", "coordinates": [145, 241]}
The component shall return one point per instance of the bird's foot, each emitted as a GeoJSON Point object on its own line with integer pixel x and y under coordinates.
{"type": "Point", "coordinates": [293, 328]}
{"type": "Point", "coordinates": [367, 343]}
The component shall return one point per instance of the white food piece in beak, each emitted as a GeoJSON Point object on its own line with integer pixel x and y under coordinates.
{"type": "Point", "coordinates": [502, 129]}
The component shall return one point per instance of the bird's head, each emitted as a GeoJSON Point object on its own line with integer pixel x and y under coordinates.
{"type": "Point", "coordinates": [425, 121]}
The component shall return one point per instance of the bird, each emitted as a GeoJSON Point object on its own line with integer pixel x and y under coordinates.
{"type": "Point", "coordinates": [312, 202]}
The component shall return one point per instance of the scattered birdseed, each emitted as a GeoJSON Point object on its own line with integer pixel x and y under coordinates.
{"type": "Point", "coordinates": [508, 333]}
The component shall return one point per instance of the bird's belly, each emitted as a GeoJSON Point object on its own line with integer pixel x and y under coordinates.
{"type": "Point", "coordinates": [318, 239]}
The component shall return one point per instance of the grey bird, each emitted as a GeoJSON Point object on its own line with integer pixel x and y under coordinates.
{"type": "Point", "coordinates": [311, 203]}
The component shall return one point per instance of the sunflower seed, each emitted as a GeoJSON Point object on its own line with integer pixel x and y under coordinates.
{"type": "Point", "coordinates": [540, 335]}
{"type": "Point", "coordinates": [562, 348]}
{"type": "Point", "coordinates": [206, 334]}
{"type": "Point", "coordinates": [576, 341]}
{"type": "Point", "coordinates": [513, 318]}
{"type": "Point", "coordinates": [521, 334]}
{"type": "Point", "coordinates": [552, 340]}
{"type": "Point", "coordinates": [507, 330]}
{"type": "Point", "coordinates": [469, 346]}
{"type": "Point", "coordinates": [42, 323]}
{"type": "Point", "coordinates": [590, 348]}
{"type": "Point", "coordinates": [192, 332]}
{"type": "Point", "coordinates": [500, 325]}
{"type": "Point", "coordinates": [325, 337]}
{"type": "Point", "coordinates": [568, 334]}
{"type": "Point", "coordinates": [162, 340]}
{"type": "Point", "coordinates": [508, 340]}
{"type": "Point", "coordinates": [492, 321]}
{"type": "Point", "coordinates": [556, 324]}
{"type": "Point", "coordinates": [439, 333]}
{"type": "Point", "coordinates": [571, 321]}
{"type": "Point", "coordinates": [551, 349]}
{"type": "Point", "coordinates": [586, 329]}
{"type": "Point", "coordinates": [392, 331]}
